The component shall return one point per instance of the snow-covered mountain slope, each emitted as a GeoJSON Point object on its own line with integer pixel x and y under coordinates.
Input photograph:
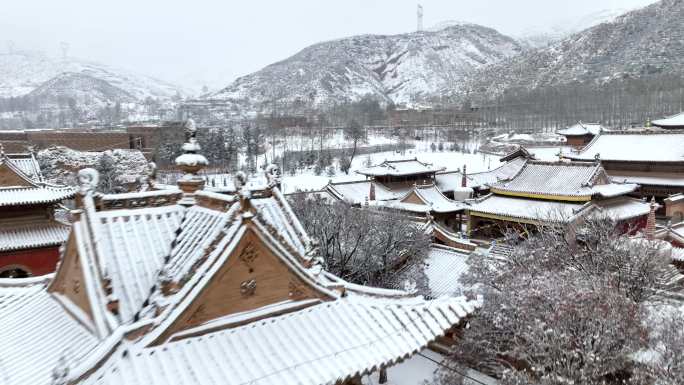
{"type": "Point", "coordinates": [644, 42]}
{"type": "Point", "coordinates": [84, 90]}
{"type": "Point", "coordinates": [23, 71]}
{"type": "Point", "coordinates": [398, 68]}
{"type": "Point", "coordinates": [535, 37]}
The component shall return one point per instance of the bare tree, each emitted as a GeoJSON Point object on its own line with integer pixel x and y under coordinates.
{"type": "Point", "coordinates": [356, 133]}
{"type": "Point", "coordinates": [362, 245]}
{"type": "Point", "coordinates": [564, 306]}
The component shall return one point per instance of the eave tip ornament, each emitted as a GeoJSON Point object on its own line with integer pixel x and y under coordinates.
{"type": "Point", "coordinates": [88, 179]}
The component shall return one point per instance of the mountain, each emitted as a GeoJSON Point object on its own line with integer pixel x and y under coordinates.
{"type": "Point", "coordinates": [23, 71]}
{"type": "Point", "coordinates": [648, 42]}
{"type": "Point", "coordinates": [84, 90]}
{"type": "Point", "coordinates": [397, 68]}
{"type": "Point", "coordinates": [540, 37]}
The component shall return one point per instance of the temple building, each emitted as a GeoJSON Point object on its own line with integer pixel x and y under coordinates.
{"type": "Point", "coordinates": [428, 201]}
{"type": "Point", "coordinates": [580, 134]}
{"type": "Point", "coordinates": [546, 193]}
{"type": "Point", "coordinates": [192, 287]}
{"type": "Point", "coordinates": [674, 122]}
{"type": "Point", "coordinates": [451, 183]}
{"type": "Point", "coordinates": [30, 232]}
{"type": "Point", "coordinates": [398, 174]}
{"type": "Point", "coordinates": [653, 159]}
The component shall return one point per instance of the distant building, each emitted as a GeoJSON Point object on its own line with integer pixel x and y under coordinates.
{"type": "Point", "coordinates": [145, 138]}
{"type": "Point", "coordinates": [674, 122]}
{"type": "Point", "coordinates": [30, 233]}
{"type": "Point", "coordinates": [580, 134]}
{"type": "Point", "coordinates": [653, 159]}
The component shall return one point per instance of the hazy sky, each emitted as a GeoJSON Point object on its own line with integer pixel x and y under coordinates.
{"type": "Point", "coordinates": [214, 41]}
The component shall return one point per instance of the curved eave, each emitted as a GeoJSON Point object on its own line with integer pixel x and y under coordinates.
{"type": "Point", "coordinates": [550, 197]}
{"type": "Point", "coordinates": [508, 218]}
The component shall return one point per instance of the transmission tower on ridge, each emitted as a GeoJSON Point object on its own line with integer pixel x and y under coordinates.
{"type": "Point", "coordinates": [420, 17]}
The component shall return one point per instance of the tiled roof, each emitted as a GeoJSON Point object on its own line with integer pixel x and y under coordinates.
{"type": "Point", "coordinates": [322, 344]}
{"type": "Point", "coordinates": [400, 168]}
{"type": "Point", "coordinates": [527, 209]}
{"type": "Point", "coordinates": [670, 121]}
{"type": "Point", "coordinates": [620, 208]}
{"type": "Point", "coordinates": [448, 182]}
{"type": "Point", "coordinates": [580, 129]}
{"type": "Point", "coordinates": [36, 332]}
{"type": "Point", "coordinates": [562, 179]}
{"type": "Point", "coordinates": [132, 249]}
{"type": "Point", "coordinates": [633, 146]}
{"type": "Point", "coordinates": [31, 235]}
{"type": "Point", "coordinates": [443, 268]}
{"type": "Point", "coordinates": [434, 200]}
{"type": "Point", "coordinates": [648, 178]}
{"type": "Point", "coordinates": [357, 192]}
{"type": "Point", "coordinates": [28, 164]}
{"type": "Point", "coordinates": [13, 196]}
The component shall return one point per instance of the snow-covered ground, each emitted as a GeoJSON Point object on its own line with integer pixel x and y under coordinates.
{"type": "Point", "coordinates": [420, 369]}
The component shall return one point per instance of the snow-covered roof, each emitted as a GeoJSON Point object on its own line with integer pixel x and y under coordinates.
{"type": "Point", "coordinates": [443, 268]}
{"type": "Point", "coordinates": [405, 167]}
{"type": "Point", "coordinates": [526, 210]}
{"type": "Point", "coordinates": [26, 190]}
{"type": "Point", "coordinates": [676, 120]}
{"type": "Point", "coordinates": [545, 211]}
{"type": "Point", "coordinates": [648, 178]}
{"type": "Point", "coordinates": [37, 332]}
{"type": "Point", "coordinates": [581, 129]}
{"type": "Point", "coordinates": [28, 164]}
{"type": "Point", "coordinates": [633, 146]}
{"type": "Point", "coordinates": [133, 245]}
{"type": "Point", "coordinates": [432, 200]}
{"type": "Point", "coordinates": [325, 343]}
{"type": "Point", "coordinates": [129, 279]}
{"type": "Point", "coordinates": [20, 236]}
{"type": "Point", "coordinates": [621, 208]}
{"type": "Point", "coordinates": [15, 196]}
{"type": "Point", "coordinates": [563, 180]}
{"type": "Point", "coordinates": [448, 182]}
{"type": "Point", "coordinates": [357, 192]}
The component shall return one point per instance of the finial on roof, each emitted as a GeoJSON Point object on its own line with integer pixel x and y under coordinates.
{"type": "Point", "coordinates": [88, 179]}
{"type": "Point", "coordinates": [2, 150]}
{"type": "Point", "coordinates": [597, 157]}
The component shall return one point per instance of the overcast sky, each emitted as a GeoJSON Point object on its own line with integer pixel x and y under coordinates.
{"type": "Point", "coordinates": [214, 41]}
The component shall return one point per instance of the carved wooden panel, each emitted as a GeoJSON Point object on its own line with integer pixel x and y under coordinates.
{"type": "Point", "coordinates": [251, 277]}
{"type": "Point", "coordinates": [413, 198]}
